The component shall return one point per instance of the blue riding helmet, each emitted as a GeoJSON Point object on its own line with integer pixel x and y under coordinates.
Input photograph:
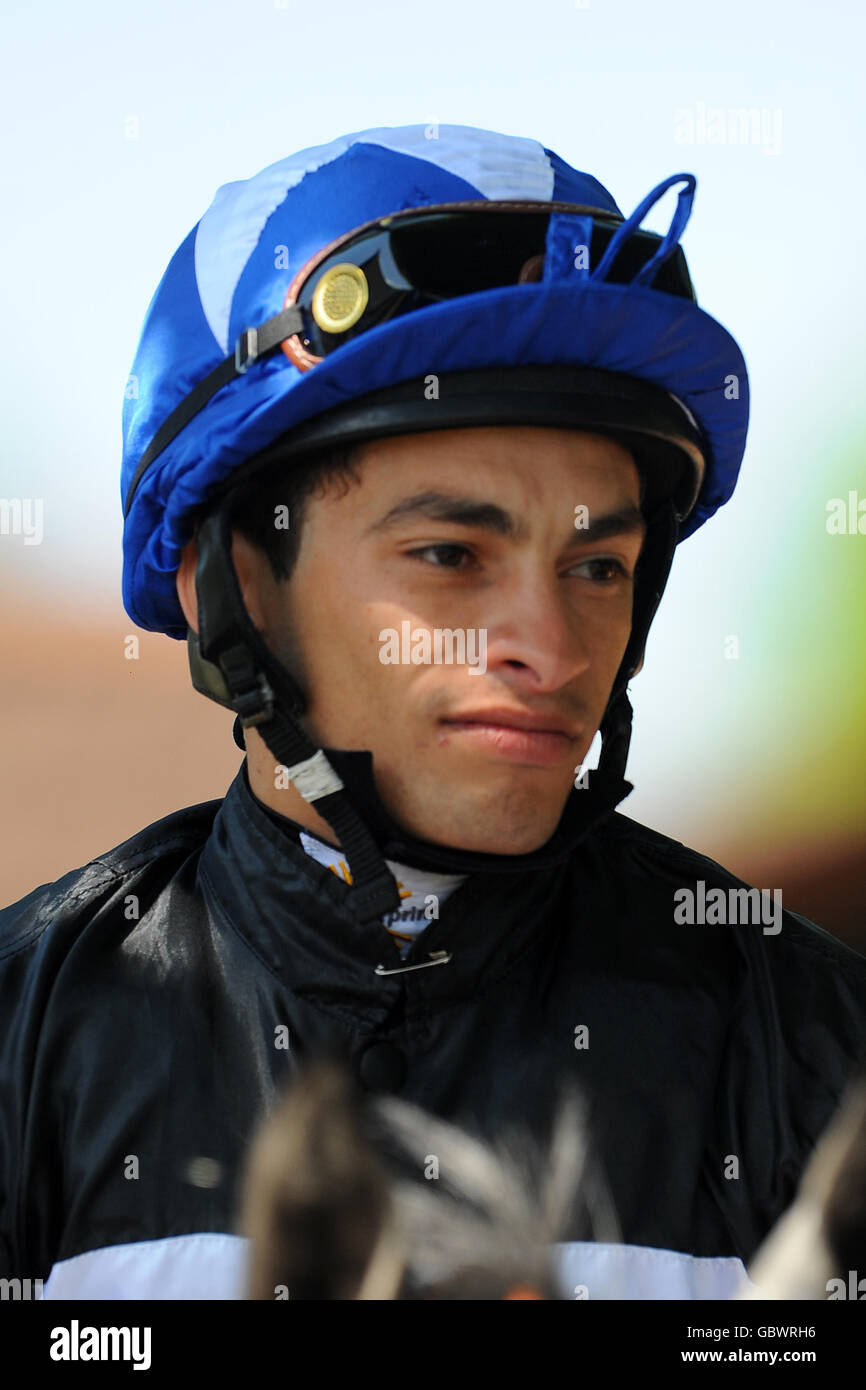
{"type": "Point", "coordinates": [234, 269]}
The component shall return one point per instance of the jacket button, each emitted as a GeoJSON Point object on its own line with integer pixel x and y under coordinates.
{"type": "Point", "coordinates": [382, 1067]}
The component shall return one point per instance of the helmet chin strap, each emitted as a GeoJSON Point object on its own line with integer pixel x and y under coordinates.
{"type": "Point", "coordinates": [654, 566]}
{"type": "Point", "coordinates": [230, 663]}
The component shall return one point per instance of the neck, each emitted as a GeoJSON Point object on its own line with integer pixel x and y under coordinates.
{"type": "Point", "coordinates": [284, 800]}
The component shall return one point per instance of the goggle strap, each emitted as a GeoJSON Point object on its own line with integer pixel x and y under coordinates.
{"type": "Point", "coordinates": [252, 344]}
{"type": "Point", "coordinates": [682, 213]}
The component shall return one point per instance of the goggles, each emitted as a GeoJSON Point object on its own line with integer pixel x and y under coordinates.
{"type": "Point", "coordinates": [408, 260]}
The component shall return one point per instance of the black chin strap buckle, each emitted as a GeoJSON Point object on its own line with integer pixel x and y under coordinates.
{"type": "Point", "coordinates": [252, 697]}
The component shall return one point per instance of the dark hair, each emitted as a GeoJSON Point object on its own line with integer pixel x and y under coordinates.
{"type": "Point", "coordinates": [289, 483]}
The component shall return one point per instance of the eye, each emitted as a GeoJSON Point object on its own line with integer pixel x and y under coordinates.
{"type": "Point", "coordinates": [604, 581]}
{"type": "Point", "coordinates": [449, 549]}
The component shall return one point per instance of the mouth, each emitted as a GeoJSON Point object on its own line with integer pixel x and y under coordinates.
{"type": "Point", "coordinates": [515, 736]}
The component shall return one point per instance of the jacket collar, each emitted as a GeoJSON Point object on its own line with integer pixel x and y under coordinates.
{"type": "Point", "coordinates": [294, 914]}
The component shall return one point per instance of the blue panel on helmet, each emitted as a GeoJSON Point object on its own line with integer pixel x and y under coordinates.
{"type": "Point", "coordinates": [572, 186]}
{"type": "Point", "coordinates": [566, 252]}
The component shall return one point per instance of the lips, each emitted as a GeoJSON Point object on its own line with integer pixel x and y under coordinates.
{"type": "Point", "coordinates": [516, 719]}
{"type": "Point", "coordinates": [518, 736]}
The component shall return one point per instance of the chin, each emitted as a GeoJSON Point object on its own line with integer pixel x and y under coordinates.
{"type": "Point", "coordinates": [502, 821]}
{"type": "Point", "coordinates": [505, 842]}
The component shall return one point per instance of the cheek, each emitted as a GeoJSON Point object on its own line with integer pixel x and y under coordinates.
{"type": "Point", "coordinates": [338, 641]}
{"type": "Point", "coordinates": [606, 626]}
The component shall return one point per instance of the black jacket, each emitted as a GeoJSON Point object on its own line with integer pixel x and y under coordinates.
{"type": "Point", "coordinates": [143, 997]}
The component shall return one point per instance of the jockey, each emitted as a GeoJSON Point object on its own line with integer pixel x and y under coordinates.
{"type": "Point", "coordinates": [413, 869]}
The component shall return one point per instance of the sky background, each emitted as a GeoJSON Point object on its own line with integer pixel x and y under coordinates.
{"type": "Point", "coordinates": [119, 124]}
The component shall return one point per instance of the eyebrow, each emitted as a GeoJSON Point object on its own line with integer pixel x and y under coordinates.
{"type": "Point", "coordinates": [468, 511]}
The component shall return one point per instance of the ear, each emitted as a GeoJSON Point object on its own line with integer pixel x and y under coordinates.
{"type": "Point", "coordinates": [255, 580]}
{"type": "Point", "coordinates": [185, 584]}
{"type": "Point", "coordinates": [250, 567]}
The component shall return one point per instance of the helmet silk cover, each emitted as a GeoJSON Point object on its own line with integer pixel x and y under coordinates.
{"type": "Point", "coordinates": [232, 272]}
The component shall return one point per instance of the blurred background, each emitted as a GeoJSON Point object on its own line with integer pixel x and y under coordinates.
{"type": "Point", "coordinates": [119, 124]}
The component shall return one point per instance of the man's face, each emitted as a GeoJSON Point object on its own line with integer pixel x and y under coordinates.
{"type": "Point", "coordinates": [504, 552]}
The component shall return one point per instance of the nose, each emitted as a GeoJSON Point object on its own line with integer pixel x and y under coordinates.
{"type": "Point", "coordinates": [534, 632]}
